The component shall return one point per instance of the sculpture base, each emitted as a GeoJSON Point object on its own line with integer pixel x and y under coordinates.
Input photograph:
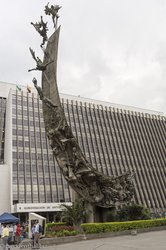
{"type": "Point", "coordinates": [97, 214]}
{"type": "Point", "coordinates": [94, 213]}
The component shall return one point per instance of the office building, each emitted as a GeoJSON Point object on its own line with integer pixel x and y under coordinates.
{"type": "Point", "coordinates": [114, 138]}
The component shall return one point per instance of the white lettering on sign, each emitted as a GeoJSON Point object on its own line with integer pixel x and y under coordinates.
{"type": "Point", "coordinates": [37, 207]}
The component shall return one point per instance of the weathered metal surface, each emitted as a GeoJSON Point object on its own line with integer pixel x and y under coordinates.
{"type": "Point", "coordinates": [95, 187]}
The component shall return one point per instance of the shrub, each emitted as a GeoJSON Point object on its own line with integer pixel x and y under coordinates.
{"type": "Point", "coordinates": [91, 228]}
{"type": "Point", "coordinates": [133, 212]}
{"type": "Point", "coordinates": [74, 215]}
{"type": "Point", "coordinates": [66, 233]}
{"type": "Point", "coordinates": [59, 230]}
{"type": "Point", "coordinates": [111, 215]}
{"type": "Point", "coordinates": [49, 226]}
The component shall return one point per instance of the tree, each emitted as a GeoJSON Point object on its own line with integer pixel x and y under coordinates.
{"type": "Point", "coordinates": [133, 212]}
{"type": "Point", "coordinates": [76, 214]}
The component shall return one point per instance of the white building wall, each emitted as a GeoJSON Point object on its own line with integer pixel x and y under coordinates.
{"type": "Point", "coordinates": [6, 170]}
{"type": "Point", "coordinates": [5, 189]}
{"type": "Point", "coordinates": [103, 104]}
{"type": "Point", "coordinates": [8, 152]}
{"type": "Point", "coordinates": [5, 88]}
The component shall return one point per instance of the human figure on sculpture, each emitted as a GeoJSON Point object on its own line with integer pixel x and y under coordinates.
{"type": "Point", "coordinates": [80, 164]}
{"type": "Point", "coordinates": [39, 64]}
{"type": "Point", "coordinates": [53, 11]}
{"type": "Point", "coordinates": [41, 28]}
{"type": "Point", "coordinates": [61, 122]}
{"type": "Point", "coordinates": [47, 101]}
{"type": "Point", "coordinates": [95, 192]}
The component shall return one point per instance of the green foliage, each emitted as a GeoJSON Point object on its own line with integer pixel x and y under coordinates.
{"type": "Point", "coordinates": [49, 226]}
{"type": "Point", "coordinates": [75, 214]}
{"type": "Point", "coordinates": [67, 233]}
{"type": "Point", "coordinates": [111, 215]}
{"type": "Point", "coordinates": [90, 228]}
{"type": "Point", "coordinates": [128, 213]}
{"type": "Point", "coordinates": [133, 212]}
{"type": "Point", "coordinates": [59, 229]}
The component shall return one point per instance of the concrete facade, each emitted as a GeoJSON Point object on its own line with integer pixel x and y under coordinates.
{"type": "Point", "coordinates": [5, 192]}
{"type": "Point", "coordinates": [115, 139]}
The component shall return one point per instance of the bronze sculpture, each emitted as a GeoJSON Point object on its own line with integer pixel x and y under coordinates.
{"type": "Point", "coordinates": [97, 188]}
{"type": "Point", "coordinates": [41, 28]}
{"type": "Point", "coordinates": [53, 11]}
{"type": "Point", "coordinates": [39, 64]}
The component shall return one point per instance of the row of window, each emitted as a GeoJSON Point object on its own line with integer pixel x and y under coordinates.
{"type": "Point", "coordinates": [111, 141]}
{"type": "Point", "coordinates": [2, 128]}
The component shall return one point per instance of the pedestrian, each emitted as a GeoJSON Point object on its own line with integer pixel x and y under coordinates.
{"type": "Point", "coordinates": [1, 230]}
{"type": "Point", "coordinates": [5, 237]}
{"type": "Point", "coordinates": [23, 232]}
{"type": "Point", "coordinates": [11, 229]}
{"type": "Point", "coordinates": [33, 235]}
{"type": "Point", "coordinates": [37, 236]}
{"type": "Point", "coordinates": [18, 234]}
{"type": "Point", "coordinates": [14, 233]}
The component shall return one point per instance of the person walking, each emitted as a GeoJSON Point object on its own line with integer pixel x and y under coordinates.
{"type": "Point", "coordinates": [18, 234]}
{"type": "Point", "coordinates": [37, 236]}
{"type": "Point", "coordinates": [1, 230]}
{"type": "Point", "coordinates": [33, 235]}
{"type": "Point", "coordinates": [5, 237]}
{"type": "Point", "coordinates": [23, 231]}
{"type": "Point", "coordinates": [14, 233]}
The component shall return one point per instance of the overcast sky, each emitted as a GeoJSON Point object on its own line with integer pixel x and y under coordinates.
{"type": "Point", "coordinates": [109, 50]}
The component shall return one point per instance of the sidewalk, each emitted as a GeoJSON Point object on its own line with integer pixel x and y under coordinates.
{"type": "Point", "coordinates": [143, 241]}
{"type": "Point", "coordinates": [151, 241]}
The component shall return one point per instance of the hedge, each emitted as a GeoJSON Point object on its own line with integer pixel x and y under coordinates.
{"type": "Point", "coordinates": [59, 229]}
{"type": "Point", "coordinates": [90, 228]}
{"type": "Point", "coordinates": [49, 226]}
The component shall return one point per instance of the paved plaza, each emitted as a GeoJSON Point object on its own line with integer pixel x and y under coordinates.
{"type": "Point", "coordinates": [151, 240]}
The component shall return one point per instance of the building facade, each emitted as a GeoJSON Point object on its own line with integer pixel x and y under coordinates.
{"type": "Point", "coordinates": [114, 138]}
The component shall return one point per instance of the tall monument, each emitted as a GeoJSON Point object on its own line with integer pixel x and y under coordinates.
{"type": "Point", "coordinates": [95, 187]}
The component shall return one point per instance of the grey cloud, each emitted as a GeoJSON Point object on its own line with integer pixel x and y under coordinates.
{"type": "Point", "coordinates": [110, 50]}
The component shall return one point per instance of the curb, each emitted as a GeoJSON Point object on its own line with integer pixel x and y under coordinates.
{"type": "Point", "coordinates": [68, 239]}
